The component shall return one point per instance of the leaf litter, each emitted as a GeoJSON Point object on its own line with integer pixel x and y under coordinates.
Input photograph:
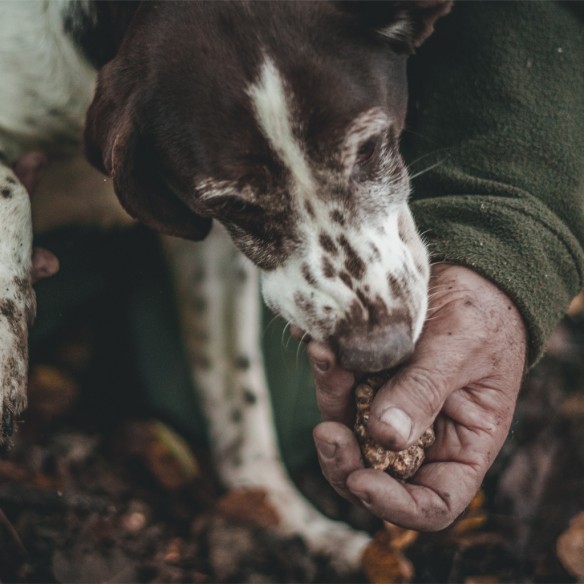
{"type": "Point", "coordinates": [129, 500]}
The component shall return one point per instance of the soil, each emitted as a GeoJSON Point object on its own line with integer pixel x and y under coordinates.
{"type": "Point", "coordinates": [86, 497]}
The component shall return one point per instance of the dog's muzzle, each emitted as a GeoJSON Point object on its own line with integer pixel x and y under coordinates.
{"type": "Point", "coordinates": [376, 349]}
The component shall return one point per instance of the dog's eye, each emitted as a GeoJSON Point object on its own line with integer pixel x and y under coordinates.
{"type": "Point", "coordinates": [366, 151]}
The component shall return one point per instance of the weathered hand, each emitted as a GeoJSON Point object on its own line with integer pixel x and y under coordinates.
{"type": "Point", "coordinates": [28, 169]}
{"type": "Point", "coordinates": [464, 375]}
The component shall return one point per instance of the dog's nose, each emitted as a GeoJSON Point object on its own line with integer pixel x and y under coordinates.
{"type": "Point", "coordinates": [375, 350]}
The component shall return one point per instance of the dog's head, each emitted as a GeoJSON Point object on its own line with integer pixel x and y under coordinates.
{"type": "Point", "coordinates": [280, 120]}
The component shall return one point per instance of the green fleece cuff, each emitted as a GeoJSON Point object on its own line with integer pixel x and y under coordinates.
{"type": "Point", "coordinates": [525, 250]}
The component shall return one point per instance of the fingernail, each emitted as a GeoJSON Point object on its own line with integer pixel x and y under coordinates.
{"type": "Point", "coordinates": [365, 498]}
{"type": "Point", "coordinates": [326, 449]}
{"type": "Point", "coordinates": [399, 421]}
{"type": "Point", "coordinates": [322, 366]}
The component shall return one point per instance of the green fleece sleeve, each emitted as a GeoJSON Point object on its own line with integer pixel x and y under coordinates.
{"type": "Point", "coordinates": [495, 145]}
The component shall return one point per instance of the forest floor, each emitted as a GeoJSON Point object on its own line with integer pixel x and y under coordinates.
{"type": "Point", "coordinates": [128, 500]}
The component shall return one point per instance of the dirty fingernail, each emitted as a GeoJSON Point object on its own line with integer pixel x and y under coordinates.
{"type": "Point", "coordinates": [365, 498]}
{"type": "Point", "coordinates": [398, 420]}
{"type": "Point", "coordinates": [326, 449]}
{"type": "Point", "coordinates": [322, 366]}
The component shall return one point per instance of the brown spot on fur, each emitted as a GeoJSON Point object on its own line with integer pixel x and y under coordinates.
{"type": "Point", "coordinates": [8, 311]}
{"type": "Point", "coordinates": [242, 362]}
{"type": "Point", "coordinates": [309, 209]}
{"type": "Point", "coordinates": [328, 244]}
{"type": "Point", "coordinates": [199, 304]}
{"type": "Point", "coordinates": [346, 279]}
{"type": "Point", "coordinates": [338, 217]}
{"type": "Point", "coordinates": [395, 285]}
{"type": "Point", "coordinates": [327, 268]}
{"type": "Point", "coordinates": [202, 361]}
{"type": "Point", "coordinates": [354, 264]}
{"type": "Point", "coordinates": [307, 274]}
{"type": "Point", "coordinates": [375, 253]}
{"type": "Point", "coordinates": [6, 192]}
{"type": "Point", "coordinates": [305, 305]}
{"type": "Point", "coordinates": [249, 397]}
{"type": "Point", "coordinates": [198, 275]}
{"type": "Point", "coordinates": [24, 290]}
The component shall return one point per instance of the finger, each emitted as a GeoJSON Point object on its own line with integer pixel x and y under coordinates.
{"type": "Point", "coordinates": [409, 402]}
{"type": "Point", "coordinates": [44, 264]}
{"type": "Point", "coordinates": [438, 494]}
{"type": "Point", "coordinates": [450, 354]}
{"type": "Point", "coordinates": [28, 168]}
{"type": "Point", "coordinates": [338, 454]}
{"type": "Point", "coordinates": [334, 385]}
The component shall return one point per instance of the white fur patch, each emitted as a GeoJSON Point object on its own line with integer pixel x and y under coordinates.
{"type": "Point", "coordinates": [46, 84]}
{"type": "Point", "coordinates": [211, 188]}
{"type": "Point", "coordinates": [271, 103]}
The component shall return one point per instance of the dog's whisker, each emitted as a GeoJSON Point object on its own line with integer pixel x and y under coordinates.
{"type": "Point", "coordinates": [298, 349]}
{"type": "Point", "coordinates": [424, 156]}
{"type": "Point", "coordinates": [286, 329]}
{"type": "Point", "coordinates": [269, 324]}
{"type": "Point", "coordinates": [417, 134]}
{"type": "Point", "coordinates": [428, 169]}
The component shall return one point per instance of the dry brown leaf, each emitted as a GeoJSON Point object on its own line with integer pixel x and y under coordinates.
{"type": "Point", "coordinates": [52, 392]}
{"type": "Point", "coordinates": [401, 538]}
{"type": "Point", "coordinates": [573, 407]}
{"type": "Point", "coordinates": [164, 453]}
{"type": "Point", "coordinates": [478, 501]}
{"type": "Point", "coordinates": [481, 580]}
{"type": "Point", "coordinates": [570, 547]}
{"type": "Point", "coordinates": [383, 563]}
{"type": "Point", "coordinates": [468, 523]}
{"type": "Point", "coordinates": [474, 517]}
{"type": "Point", "coordinates": [250, 506]}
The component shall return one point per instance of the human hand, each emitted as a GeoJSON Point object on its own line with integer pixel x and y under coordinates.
{"type": "Point", "coordinates": [464, 375]}
{"type": "Point", "coordinates": [28, 169]}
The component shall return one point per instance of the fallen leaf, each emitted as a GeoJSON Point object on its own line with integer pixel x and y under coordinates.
{"type": "Point", "coordinates": [164, 453]}
{"type": "Point", "coordinates": [52, 392]}
{"type": "Point", "coordinates": [250, 506]}
{"type": "Point", "coordinates": [383, 563]}
{"type": "Point", "coordinates": [473, 518]}
{"type": "Point", "coordinates": [401, 538]}
{"type": "Point", "coordinates": [570, 547]}
{"type": "Point", "coordinates": [481, 580]}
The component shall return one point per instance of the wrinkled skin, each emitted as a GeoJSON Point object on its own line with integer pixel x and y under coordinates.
{"type": "Point", "coordinates": [465, 373]}
{"type": "Point", "coordinates": [28, 168]}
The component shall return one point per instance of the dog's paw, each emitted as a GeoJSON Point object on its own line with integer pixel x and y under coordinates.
{"type": "Point", "coordinates": [17, 309]}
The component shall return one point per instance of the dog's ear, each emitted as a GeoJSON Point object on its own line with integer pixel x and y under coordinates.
{"type": "Point", "coordinates": [116, 145]}
{"type": "Point", "coordinates": [407, 23]}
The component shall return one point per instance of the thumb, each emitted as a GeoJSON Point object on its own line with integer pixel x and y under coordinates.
{"type": "Point", "coordinates": [405, 407]}
{"type": "Point", "coordinates": [410, 401]}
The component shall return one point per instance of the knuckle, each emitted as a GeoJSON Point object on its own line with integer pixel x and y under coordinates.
{"type": "Point", "coordinates": [427, 388]}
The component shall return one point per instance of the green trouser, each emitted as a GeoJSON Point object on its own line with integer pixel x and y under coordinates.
{"type": "Point", "coordinates": [496, 133]}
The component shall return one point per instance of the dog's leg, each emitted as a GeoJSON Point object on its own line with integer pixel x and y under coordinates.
{"type": "Point", "coordinates": [220, 306]}
{"type": "Point", "coordinates": [17, 300]}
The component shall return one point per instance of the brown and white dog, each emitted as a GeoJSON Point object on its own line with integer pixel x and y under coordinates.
{"type": "Point", "coordinates": [279, 120]}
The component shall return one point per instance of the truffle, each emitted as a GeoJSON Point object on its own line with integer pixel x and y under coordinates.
{"type": "Point", "coordinates": [403, 464]}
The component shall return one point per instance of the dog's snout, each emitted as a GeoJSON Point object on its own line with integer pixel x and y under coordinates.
{"type": "Point", "coordinates": [375, 350]}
